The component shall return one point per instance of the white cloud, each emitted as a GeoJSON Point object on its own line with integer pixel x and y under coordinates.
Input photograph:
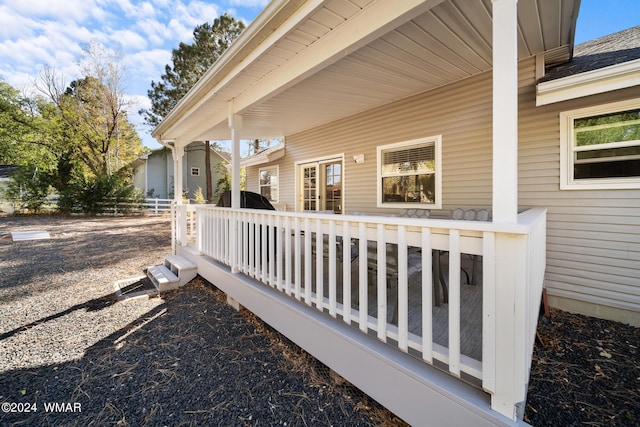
{"type": "Point", "coordinates": [186, 16]}
{"type": "Point", "coordinates": [13, 24]}
{"type": "Point", "coordinates": [143, 67]}
{"type": "Point", "coordinates": [62, 11]}
{"type": "Point", "coordinates": [249, 3]}
{"type": "Point", "coordinates": [154, 31]}
{"type": "Point", "coordinates": [129, 40]}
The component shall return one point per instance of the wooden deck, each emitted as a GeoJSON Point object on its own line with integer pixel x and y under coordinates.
{"type": "Point", "coordinates": [307, 288]}
{"type": "Point", "coordinates": [471, 298]}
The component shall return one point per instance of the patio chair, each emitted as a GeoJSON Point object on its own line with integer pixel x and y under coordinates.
{"type": "Point", "coordinates": [471, 215]}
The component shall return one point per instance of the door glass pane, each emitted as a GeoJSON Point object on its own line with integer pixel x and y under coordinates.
{"type": "Point", "coordinates": [333, 187]}
{"type": "Point", "coordinates": [309, 185]}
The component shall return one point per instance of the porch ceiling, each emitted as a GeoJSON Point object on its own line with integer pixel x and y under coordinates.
{"type": "Point", "coordinates": [302, 64]}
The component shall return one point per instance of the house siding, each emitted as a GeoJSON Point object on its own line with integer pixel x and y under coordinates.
{"type": "Point", "coordinates": [157, 173]}
{"type": "Point", "coordinates": [592, 235]}
{"type": "Point", "coordinates": [194, 156]}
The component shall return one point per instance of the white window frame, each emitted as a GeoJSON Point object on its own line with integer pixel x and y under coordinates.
{"type": "Point", "coordinates": [195, 171]}
{"type": "Point", "coordinates": [567, 149]}
{"type": "Point", "coordinates": [277, 185]}
{"type": "Point", "coordinates": [437, 144]}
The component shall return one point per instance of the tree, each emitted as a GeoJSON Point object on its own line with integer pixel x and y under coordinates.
{"type": "Point", "coordinates": [24, 132]}
{"type": "Point", "coordinates": [92, 111]}
{"type": "Point", "coordinates": [188, 63]}
{"type": "Point", "coordinates": [28, 188]}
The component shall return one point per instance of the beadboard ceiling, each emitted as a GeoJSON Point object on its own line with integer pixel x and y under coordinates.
{"type": "Point", "coordinates": [302, 64]}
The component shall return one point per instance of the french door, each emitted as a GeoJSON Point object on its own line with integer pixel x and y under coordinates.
{"type": "Point", "coordinates": [321, 186]}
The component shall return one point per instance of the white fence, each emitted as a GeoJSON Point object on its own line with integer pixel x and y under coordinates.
{"type": "Point", "coordinates": [320, 260]}
{"type": "Point", "coordinates": [158, 206]}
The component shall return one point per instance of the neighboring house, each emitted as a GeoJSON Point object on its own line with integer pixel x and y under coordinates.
{"type": "Point", "coordinates": [6, 207]}
{"type": "Point", "coordinates": [153, 173]}
{"type": "Point", "coordinates": [436, 105]}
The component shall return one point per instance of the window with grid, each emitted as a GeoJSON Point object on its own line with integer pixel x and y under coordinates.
{"type": "Point", "coordinates": [195, 171]}
{"type": "Point", "coordinates": [409, 173]}
{"type": "Point", "coordinates": [601, 147]}
{"type": "Point", "coordinates": [268, 183]}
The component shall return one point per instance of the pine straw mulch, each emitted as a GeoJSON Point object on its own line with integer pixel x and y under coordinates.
{"type": "Point", "coordinates": [585, 372]}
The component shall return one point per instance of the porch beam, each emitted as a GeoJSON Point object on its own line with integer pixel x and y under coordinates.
{"type": "Point", "coordinates": [505, 111]}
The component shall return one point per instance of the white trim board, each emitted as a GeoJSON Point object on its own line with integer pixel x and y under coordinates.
{"type": "Point", "coordinates": [606, 79]}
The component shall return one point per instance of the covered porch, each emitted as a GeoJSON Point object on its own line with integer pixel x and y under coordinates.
{"type": "Point", "coordinates": [482, 335]}
{"type": "Point", "coordinates": [380, 323]}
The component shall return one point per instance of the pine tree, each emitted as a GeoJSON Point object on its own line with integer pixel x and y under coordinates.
{"type": "Point", "coordinates": [189, 62]}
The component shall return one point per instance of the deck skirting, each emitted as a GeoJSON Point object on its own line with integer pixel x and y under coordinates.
{"type": "Point", "coordinates": [418, 393]}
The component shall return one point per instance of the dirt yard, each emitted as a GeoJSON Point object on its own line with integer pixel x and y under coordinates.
{"type": "Point", "coordinates": [189, 359]}
{"type": "Point", "coordinates": [184, 359]}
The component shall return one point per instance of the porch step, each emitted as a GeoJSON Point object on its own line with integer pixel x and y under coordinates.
{"type": "Point", "coordinates": [163, 278]}
{"type": "Point", "coordinates": [176, 271]}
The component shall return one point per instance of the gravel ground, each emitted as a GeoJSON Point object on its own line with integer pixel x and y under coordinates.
{"type": "Point", "coordinates": [184, 359]}
{"type": "Point", "coordinates": [189, 359]}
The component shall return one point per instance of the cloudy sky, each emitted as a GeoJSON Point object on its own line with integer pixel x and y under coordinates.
{"type": "Point", "coordinates": [34, 33]}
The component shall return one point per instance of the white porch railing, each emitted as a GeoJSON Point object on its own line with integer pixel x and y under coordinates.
{"type": "Point", "coordinates": [183, 224]}
{"type": "Point", "coordinates": [319, 259]}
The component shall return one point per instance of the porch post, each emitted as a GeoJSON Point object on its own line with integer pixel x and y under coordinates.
{"type": "Point", "coordinates": [235, 124]}
{"type": "Point", "coordinates": [502, 305]}
{"type": "Point", "coordinates": [178, 153]}
{"type": "Point", "coordinates": [505, 111]}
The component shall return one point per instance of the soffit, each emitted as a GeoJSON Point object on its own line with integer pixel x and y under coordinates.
{"type": "Point", "coordinates": [434, 44]}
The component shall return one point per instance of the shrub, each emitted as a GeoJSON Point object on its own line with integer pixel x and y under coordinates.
{"type": "Point", "coordinates": [100, 195]}
{"type": "Point", "coordinates": [28, 189]}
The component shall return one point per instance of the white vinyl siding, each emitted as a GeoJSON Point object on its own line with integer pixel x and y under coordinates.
{"type": "Point", "coordinates": [593, 236]}
{"type": "Point", "coordinates": [593, 240]}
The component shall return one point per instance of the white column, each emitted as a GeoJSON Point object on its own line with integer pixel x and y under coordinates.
{"type": "Point", "coordinates": [505, 111]}
{"type": "Point", "coordinates": [235, 124]}
{"type": "Point", "coordinates": [507, 384]}
{"type": "Point", "coordinates": [178, 153]}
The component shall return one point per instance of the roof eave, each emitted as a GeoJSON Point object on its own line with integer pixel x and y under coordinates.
{"type": "Point", "coordinates": [266, 22]}
{"type": "Point", "coordinates": [614, 77]}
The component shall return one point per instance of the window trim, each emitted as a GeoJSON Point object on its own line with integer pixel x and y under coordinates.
{"type": "Point", "coordinates": [436, 140]}
{"type": "Point", "coordinates": [567, 181]}
{"type": "Point", "coordinates": [277, 174]}
{"type": "Point", "coordinates": [196, 170]}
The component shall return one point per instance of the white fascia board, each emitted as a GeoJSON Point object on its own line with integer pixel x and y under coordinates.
{"type": "Point", "coordinates": [606, 79]}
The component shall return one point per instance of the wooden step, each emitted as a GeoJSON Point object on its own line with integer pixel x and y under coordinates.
{"type": "Point", "coordinates": [177, 263]}
{"type": "Point", "coordinates": [163, 278]}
